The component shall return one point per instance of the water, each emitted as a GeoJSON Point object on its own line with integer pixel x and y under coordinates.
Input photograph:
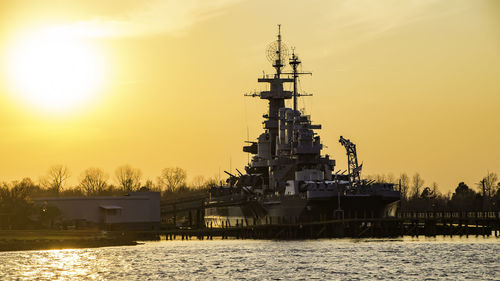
{"type": "Point", "coordinates": [335, 259]}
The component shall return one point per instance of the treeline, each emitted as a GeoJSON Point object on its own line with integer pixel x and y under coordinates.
{"type": "Point", "coordinates": [96, 182]}
{"type": "Point", "coordinates": [416, 195]}
{"type": "Point", "coordinates": [172, 183]}
{"type": "Point", "coordinates": [18, 211]}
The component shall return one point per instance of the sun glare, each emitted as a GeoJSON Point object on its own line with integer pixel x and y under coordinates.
{"type": "Point", "coordinates": [54, 70]}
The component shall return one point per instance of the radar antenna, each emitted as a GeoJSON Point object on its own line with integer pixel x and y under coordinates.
{"type": "Point", "coordinates": [352, 158]}
{"type": "Point", "coordinates": [277, 52]}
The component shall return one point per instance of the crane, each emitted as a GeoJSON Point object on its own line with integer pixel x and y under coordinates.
{"type": "Point", "coordinates": [352, 158]}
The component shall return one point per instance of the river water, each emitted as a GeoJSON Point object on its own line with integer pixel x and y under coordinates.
{"type": "Point", "coordinates": [332, 259]}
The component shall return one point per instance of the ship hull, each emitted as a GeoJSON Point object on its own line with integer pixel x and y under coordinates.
{"type": "Point", "coordinates": [295, 210]}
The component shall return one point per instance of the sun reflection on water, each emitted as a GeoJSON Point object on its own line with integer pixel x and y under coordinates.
{"type": "Point", "coordinates": [335, 259]}
{"type": "Point", "coordinates": [69, 264]}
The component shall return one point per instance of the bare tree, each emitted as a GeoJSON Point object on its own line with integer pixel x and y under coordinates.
{"type": "Point", "coordinates": [488, 185]}
{"type": "Point", "coordinates": [171, 179]}
{"type": "Point", "coordinates": [404, 184]}
{"type": "Point", "coordinates": [56, 177]}
{"type": "Point", "coordinates": [213, 181]}
{"type": "Point", "coordinates": [380, 178]}
{"type": "Point", "coordinates": [435, 189]}
{"type": "Point", "coordinates": [376, 177]}
{"type": "Point", "coordinates": [417, 183]}
{"type": "Point", "coordinates": [93, 181]}
{"type": "Point", "coordinates": [390, 178]}
{"type": "Point", "coordinates": [148, 186]}
{"type": "Point", "coordinates": [15, 201]}
{"type": "Point", "coordinates": [129, 179]}
{"type": "Point", "coordinates": [17, 191]}
{"type": "Point", "coordinates": [198, 182]}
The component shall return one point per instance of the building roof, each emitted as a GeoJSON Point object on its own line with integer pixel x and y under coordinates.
{"type": "Point", "coordinates": [110, 207]}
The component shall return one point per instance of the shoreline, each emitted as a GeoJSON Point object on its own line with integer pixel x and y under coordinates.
{"type": "Point", "coordinates": [19, 240]}
{"type": "Point", "coordinates": [33, 245]}
{"type": "Point", "coordinates": [14, 245]}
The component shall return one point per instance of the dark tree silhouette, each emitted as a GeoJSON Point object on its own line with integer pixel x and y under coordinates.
{"type": "Point", "coordinates": [172, 179]}
{"type": "Point", "coordinates": [129, 179]}
{"type": "Point", "coordinates": [463, 198]}
{"type": "Point", "coordinates": [93, 181]}
{"type": "Point", "coordinates": [417, 183]}
{"type": "Point", "coordinates": [488, 185]}
{"type": "Point", "coordinates": [15, 203]}
{"type": "Point", "coordinates": [404, 184]}
{"type": "Point", "coordinates": [56, 178]}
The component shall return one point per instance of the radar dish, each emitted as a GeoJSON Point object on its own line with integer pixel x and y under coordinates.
{"type": "Point", "coordinates": [272, 52]}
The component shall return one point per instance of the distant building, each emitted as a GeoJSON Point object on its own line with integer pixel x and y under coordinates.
{"type": "Point", "coordinates": [137, 210]}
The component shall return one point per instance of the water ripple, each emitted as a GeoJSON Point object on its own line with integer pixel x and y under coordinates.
{"type": "Point", "coordinates": [342, 259]}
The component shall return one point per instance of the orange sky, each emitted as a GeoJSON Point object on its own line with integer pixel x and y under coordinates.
{"type": "Point", "coordinates": [416, 84]}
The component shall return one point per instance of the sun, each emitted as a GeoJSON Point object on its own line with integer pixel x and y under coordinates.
{"type": "Point", "coordinates": [54, 70]}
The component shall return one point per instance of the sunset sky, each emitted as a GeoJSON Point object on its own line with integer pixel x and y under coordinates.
{"type": "Point", "coordinates": [415, 84]}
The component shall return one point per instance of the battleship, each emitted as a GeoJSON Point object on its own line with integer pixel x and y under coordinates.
{"type": "Point", "coordinates": [288, 180]}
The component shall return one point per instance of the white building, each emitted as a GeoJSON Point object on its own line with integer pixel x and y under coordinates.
{"type": "Point", "coordinates": [137, 210]}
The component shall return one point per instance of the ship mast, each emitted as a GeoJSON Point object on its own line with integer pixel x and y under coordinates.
{"type": "Point", "coordinates": [277, 64]}
{"type": "Point", "coordinates": [277, 52]}
{"type": "Point", "coordinates": [294, 63]}
{"type": "Point", "coordinates": [288, 145]}
{"type": "Point", "coordinates": [276, 95]}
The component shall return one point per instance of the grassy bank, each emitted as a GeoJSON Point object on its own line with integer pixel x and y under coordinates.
{"type": "Point", "coordinates": [20, 240]}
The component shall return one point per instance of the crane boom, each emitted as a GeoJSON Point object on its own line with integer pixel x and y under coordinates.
{"type": "Point", "coordinates": [353, 168]}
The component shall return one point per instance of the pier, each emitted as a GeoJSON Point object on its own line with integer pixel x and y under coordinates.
{"type": "Point", "coordinates": [405, 224]}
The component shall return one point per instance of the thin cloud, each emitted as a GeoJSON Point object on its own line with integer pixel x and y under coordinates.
{"type": "Point", "coordinates": [152, 17]}
{"type": "Point", "coordinates": [352, 23]}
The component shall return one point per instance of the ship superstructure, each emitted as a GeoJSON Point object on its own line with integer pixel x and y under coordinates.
{"type": "Point", "coordinates": [288, 179]}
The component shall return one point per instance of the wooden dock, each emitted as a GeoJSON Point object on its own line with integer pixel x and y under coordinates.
{"type": "Point", "coordinates": [405, 224]}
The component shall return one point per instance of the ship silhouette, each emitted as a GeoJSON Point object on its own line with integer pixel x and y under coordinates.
{"type": "Point", "coordinates": [288, 180]}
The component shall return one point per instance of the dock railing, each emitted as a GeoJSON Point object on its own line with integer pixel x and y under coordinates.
{"type": "Point", "coordinates": [449, 215]}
